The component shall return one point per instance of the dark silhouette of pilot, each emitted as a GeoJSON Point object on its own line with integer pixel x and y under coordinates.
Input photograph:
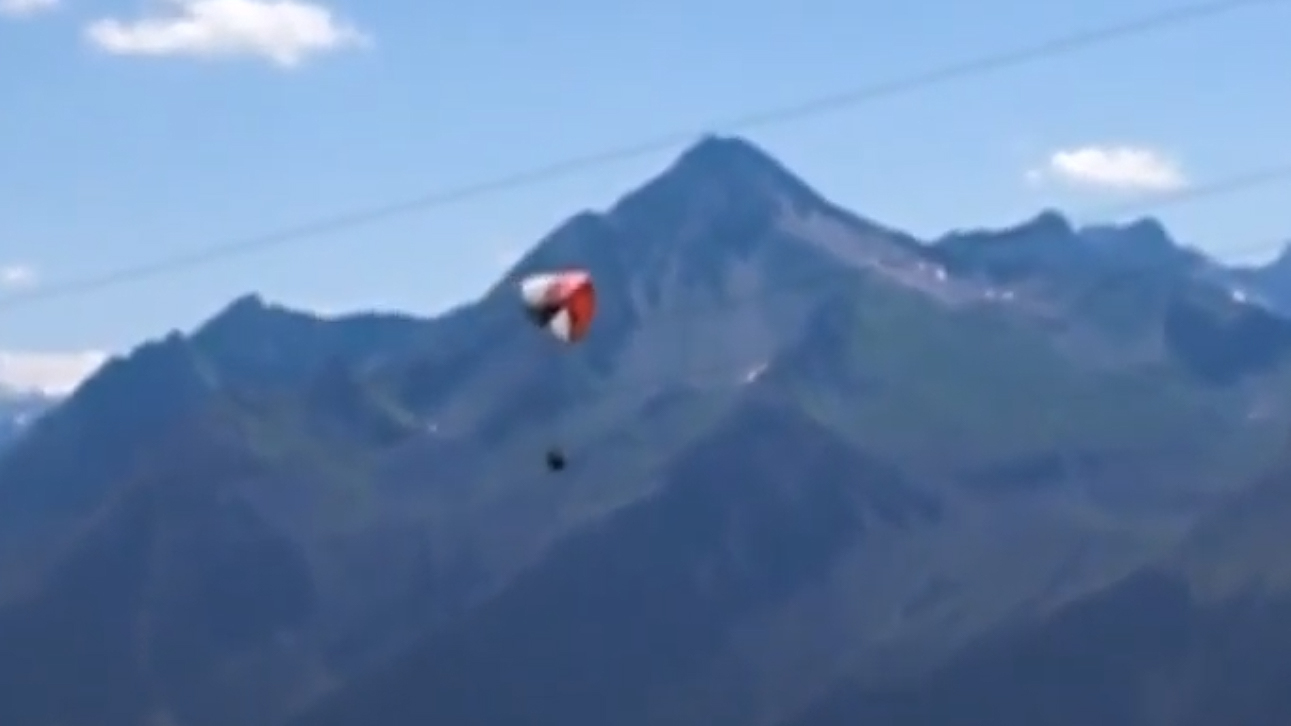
{"type": "Point", "coordinates": [555, 459]}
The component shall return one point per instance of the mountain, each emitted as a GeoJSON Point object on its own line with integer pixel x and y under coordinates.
{"type": "Point", "coordinates": [807, 450]}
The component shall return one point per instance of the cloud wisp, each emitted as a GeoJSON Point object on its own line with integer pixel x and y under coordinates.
{"type": "Point", "coordinates": [1120, 168]}
{"type": "Point", "coordinates": [286, 33]}
{"type": "Point", "coordinates": [50, 374]}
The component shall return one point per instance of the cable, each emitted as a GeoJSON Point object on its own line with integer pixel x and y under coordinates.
{"type": "Point", "coordinates": [1239, 182]}
{"type": "Point", "coordinates": [816, 107]}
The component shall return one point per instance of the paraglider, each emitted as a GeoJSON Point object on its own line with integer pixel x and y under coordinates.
{"type": "Point", "coordinates": [563, 304]}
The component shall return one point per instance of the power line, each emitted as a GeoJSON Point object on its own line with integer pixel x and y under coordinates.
{"type": "Point", "coordinates": [1244, 181]}
{"type": "Point", "coordinates": [816, 107]}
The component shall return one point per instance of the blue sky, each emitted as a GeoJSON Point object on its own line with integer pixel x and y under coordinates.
{"type": "Point", "coordinates": [119, 146]}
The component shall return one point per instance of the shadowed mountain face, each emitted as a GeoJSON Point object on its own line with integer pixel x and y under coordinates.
{"type": "Point", "coordinates": [633, 611]}
{"type": "Point", "coordinates": [1201, 636]}
{"type": "Point", "coordinates": [172, 579]}
{"type": "Point", "coordinates": [809, 455]}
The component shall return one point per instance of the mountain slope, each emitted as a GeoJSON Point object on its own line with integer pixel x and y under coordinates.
{"type": "Point", "coordinates": [1197, 638]}
{"type": "Point", "coordinates": [622, 613]}
{"type": "Point", "coordinates": [174, 581]}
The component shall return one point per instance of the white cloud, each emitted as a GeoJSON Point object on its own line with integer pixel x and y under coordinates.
{"type": "Point", "coordinates": [14, 276]}
{"type": "Point", "coordinates": [284, 32]}
{"type": "Point", "coordinates": [26, 8]}
{"type": "Point", "coordinates": [54, 374]}
{"type": "Point", "coordinates": [1119, 168]}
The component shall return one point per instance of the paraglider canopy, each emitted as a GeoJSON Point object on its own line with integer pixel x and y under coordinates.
{"type": "Point", "coordinates": [563, 302]}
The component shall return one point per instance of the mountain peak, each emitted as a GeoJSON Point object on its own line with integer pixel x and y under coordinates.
{"type": "Point", "coordinates": [250, 308]}
{"type": "Point", "coordinates": [728, 152]}
{"type": "Point", "coordinates": [249, 301]}
{"type": "Point", "coordinates": [1051, 222]}
{"type": "Point", "coordinates": [1049, 227]}
{"type": "Point", "coordinates": [1143, 242]}
{"type": "Point", "coordinates": [1144, 232]}
{"type": "Point", "coordinates": [721, 172]}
